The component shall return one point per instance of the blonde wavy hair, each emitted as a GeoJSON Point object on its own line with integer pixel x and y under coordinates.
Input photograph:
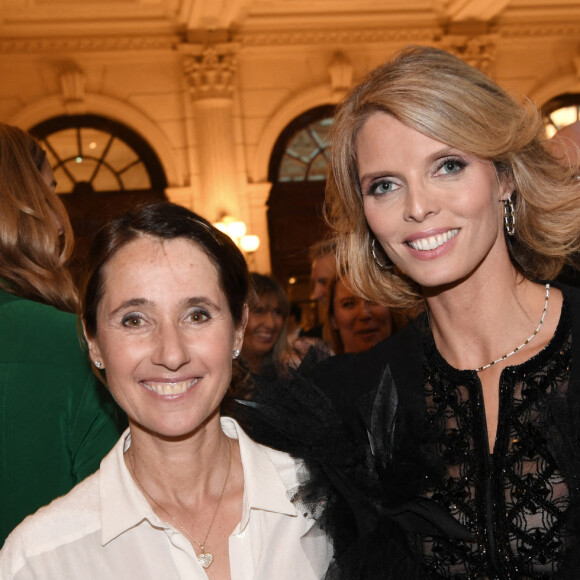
{"type": "Point", "coordinates": [444, 98]}
{"type": "Point", "coordinates": [36, 239]}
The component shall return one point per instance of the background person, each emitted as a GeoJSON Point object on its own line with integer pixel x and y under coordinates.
{"type": "Point", "coordinates": [57, 421]}
{"type": "Point", "coordinates": [183, 494]}
{"type": "Point", "coordinates": [352, 323]}
{"type": "Point", "coordinates": [294, 327]}
{"type": "Point", "coordinates": [323, 260]}
{"type": "Point", "coordinates": [265, 335]}
{"type": "Point", "coordinates": [264, 346]}
{"type": "Point", "coordinates": [323, 269]}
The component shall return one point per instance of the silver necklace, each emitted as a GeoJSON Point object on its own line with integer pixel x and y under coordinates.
{"type": "Point", "coordinates": [527, 341]}
{"type": "Point", "coordinates": [205, 558]}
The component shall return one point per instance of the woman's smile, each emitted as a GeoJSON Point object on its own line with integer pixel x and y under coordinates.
{"type": "Point", "coordinates": [432, 242]}
{"type": "Point", "coordinates": [169, 388]}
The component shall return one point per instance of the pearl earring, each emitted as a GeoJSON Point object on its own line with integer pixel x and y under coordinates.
{"type": "Point", "coordinates": [236, 353]}
{"type": "Point", "coordinates": [98, 364]}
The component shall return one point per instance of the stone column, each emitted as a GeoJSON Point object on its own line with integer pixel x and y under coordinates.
{"type": "Point", "coordinates": [209, 72]}
{"type": "Point", "coordinates": [257, 198]}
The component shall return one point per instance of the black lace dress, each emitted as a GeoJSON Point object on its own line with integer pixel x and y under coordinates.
{"type": "Point", "coordinates": [401, 474]}
{"type": "Point", "coordinates": [514, 498]}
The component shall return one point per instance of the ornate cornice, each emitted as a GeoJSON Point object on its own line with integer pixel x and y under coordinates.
{"type": "Point", "coordinates": [531, 30]}
{"type": "Point", "coordinates": [334, 37]}
{"type": "Point", "coordinates": [247, 38]}
{"type": "Point", "coordinates": [87, 44]}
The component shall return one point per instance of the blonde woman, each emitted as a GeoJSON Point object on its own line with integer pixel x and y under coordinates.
{"type": "Point", "coordinates": [464, 464]}
{"type": "Point", "coordinates": [443, 195]}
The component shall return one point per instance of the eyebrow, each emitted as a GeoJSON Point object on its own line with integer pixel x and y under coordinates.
{"type": "Point", "coordinates": [201, 301]}
{"type": "Point", "coordinates": [187, 302]}
{"type": "Point", "coordinates": [446, 151]}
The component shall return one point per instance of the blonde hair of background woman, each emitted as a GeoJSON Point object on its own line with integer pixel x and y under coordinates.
{"type": "Point", "coordinates": [36, 239]}
{"type": "Point", "coordinates": [445, 99]}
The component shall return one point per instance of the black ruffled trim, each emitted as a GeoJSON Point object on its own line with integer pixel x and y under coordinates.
{"type": "Point", "coordinates": [362, 489]}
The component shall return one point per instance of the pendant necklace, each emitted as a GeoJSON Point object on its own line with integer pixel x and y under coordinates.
{"type": "Point", "coordinates": [527, 341]}
{"type": "Point", "coordinates": [204, 558]}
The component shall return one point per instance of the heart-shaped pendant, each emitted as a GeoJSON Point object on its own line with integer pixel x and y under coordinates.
{"type": "Point", "coordinates": [205, 559]}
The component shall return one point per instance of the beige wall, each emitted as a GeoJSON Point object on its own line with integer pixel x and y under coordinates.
{"type": "Point", "coordinates": [125, 60]}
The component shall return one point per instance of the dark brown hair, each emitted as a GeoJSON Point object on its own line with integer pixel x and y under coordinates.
{"type": "Point", "coordinates": [164, 221]}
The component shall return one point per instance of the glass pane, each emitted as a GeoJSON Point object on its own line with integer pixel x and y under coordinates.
{"type": "Point", "coordinates": [322, 128]}
{"type": "Point", "coordinates": [136, 177]}
{"type": "Point", "coordinates": [93, 142]}
{"type": "Point", "coordinates": [106, 180]}
{"type": "Point", "coordinates": [120, 155]}
{"type": "Point", "coordinates": [81, 168]}
{"type": "Point", "coordinates": [64, 143]}
{"type": "Point", "coordinates": [302, 145]}
{"type": "Point", "coordinates": [564, 116]}
{"type": "Point", "coordinates": [292, 169]}
{"type": "Point", "coordinates": [317, 170]}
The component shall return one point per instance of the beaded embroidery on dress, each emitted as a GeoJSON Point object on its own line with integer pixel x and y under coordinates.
{"type": "Point", "coordinates": [515, 500]}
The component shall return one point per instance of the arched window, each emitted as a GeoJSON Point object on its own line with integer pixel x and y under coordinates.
{"type": "Point", "coordinates": [305, 156]}
{"type": "Point", "coordinates": [560, 112]}
{"type": "Point", "coordinates": [297, 170]}
{"type": "Point", "coordinates": [102, 168]}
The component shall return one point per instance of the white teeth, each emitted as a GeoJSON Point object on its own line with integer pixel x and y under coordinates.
{"type": "Point", "coordinates": [433, 242]}
{"type": "Point", "coordinates": [170, 388]}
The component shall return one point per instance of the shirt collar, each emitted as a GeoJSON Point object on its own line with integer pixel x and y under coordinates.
{"type": "Point", "coordinates": [123, 504]}
{"type": "Point", "coordinates": [269, 475]}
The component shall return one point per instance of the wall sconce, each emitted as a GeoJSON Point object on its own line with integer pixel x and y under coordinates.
{"type": "Point", "coordinates": [250, 244]}
{"type": "Point", "coordinates": [236, 230]}
{"type": "Point", "coordinates": [232, 227]}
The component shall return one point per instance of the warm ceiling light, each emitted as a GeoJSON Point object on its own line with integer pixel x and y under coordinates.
{"type": "Point", "coordinates": [250, 244]}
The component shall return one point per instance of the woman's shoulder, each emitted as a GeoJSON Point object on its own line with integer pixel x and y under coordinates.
{"type": "Point", "coordinates": [12, 305]}
{"type": "Point", "coordinates": [64, 520]}
{"type": "Point", "coordinates": [39, 330]}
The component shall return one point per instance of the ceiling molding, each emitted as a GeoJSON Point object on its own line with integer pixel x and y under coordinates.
{"type": "Point", "coordinates": [571, 28]}
{"type": "Point", "coordinates": [333, 37]}
{"type": "Point", "coordinates": [87, 44]}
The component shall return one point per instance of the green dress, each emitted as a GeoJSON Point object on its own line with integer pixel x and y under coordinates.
{"type": "Point", "coordinates": [56, 420]}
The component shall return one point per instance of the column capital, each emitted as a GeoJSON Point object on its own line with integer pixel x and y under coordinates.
{"type": "Point", "coordinates": [210, 69]}
{"type": "Point", "coordinates": [477, 50]}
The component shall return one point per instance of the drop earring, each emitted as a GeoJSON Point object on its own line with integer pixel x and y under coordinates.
{"type": "Point", "coordinates": [380, 264]}
{"type": "Point", "coordinates": [509, 216]}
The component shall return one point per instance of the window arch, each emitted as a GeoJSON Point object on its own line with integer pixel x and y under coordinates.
{"type": "Point", "coordinates": [102, 168]}
{"type": "Point", "coordinates": [561, 111]}
{"type": "Point", "coordinates": [98, 154]}
{"type": "Point", "coordinates": [297, 171]}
